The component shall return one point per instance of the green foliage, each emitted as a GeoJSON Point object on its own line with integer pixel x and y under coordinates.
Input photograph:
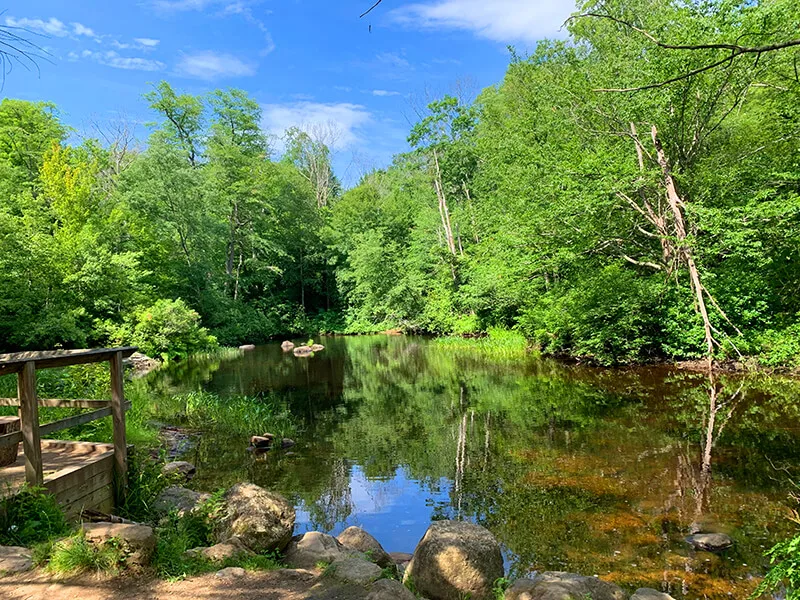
{"type": "Point", "coordinates": [145, 482]}
{"type": "Point", "coordinates": [76, 555]}
{"type": "Point", "coordinates": [29, 517]}
{"type": "Point", "coordinates": [170, 329]}
{"type": "Point", "coordinates": [785, 558]}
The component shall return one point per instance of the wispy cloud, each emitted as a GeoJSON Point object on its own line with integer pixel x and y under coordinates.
{"type": "Point", "coordinates": [52, 26]}
{"type": "Point", "coordinates": [144, 44]}
{"type": "Point", "coordinates": [499, 20]}
{"type": "Point", "coordinates": [80, 29]}
{"type": "Point", "coordinates": [114, 60]}
{"type": "Point", "coordinates": [392, 59]}
{"type": "Point", "coordinates": [147, 42]}
{"type": "Point", "coordinates": [384, 93]}
{"type": "Point", "coordinates": [210, 65]}
{"type": "Point", "coordinates": [347, 118]}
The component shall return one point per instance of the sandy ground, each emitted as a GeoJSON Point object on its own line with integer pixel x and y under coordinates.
{"type": "Point", "coordinates": [283, 584]}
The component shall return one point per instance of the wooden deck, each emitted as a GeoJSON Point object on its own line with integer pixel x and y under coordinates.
{"type": "Point", "coordinates": [79, 474]}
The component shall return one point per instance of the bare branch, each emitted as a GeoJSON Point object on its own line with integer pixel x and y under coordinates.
{"type": "Point", "coordinates": [371, 8]}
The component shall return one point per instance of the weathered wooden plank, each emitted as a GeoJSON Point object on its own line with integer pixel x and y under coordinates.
{"type": "Point", "coordinates": [76, 492]}
{"type": "Point", "coordinates": [81, 419]}
{"type": "Point", "coordinates": [118, 407]}
{"type": "Point", "coordinates": [9, 439]}
{"type": "Point", "coordinates": [29, 415]}
{"type": "Point", "coordinates": [15, 362]}
{"type": "Point", "coordinates": [67, 479]}
{"type": "Point", "coordinates": [101, 499]}
{"type": "Point", "coordinates": [58, 403]}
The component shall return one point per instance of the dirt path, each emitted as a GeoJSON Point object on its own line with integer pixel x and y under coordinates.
{"type": "Point", "coordinates": [283, 584]}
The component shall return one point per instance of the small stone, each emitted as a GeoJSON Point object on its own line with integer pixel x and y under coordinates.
{"type": "Point", "coordinates": [180, 469]}
{"type": "Point", "coordinates": [358, 539]}
{"type": "Point", "coordinates": [287, 346]}
{"type": "Point", "coordinates": [710, 542]}
{"type": "Point", "coordinates": [139, 541]}
{"type": "Point", "coordinates": [261, 442]}
{"type": "Point", "coordinates": [222, 551]}
{"type": "Point", "coordinates": [389, 589]}
{"type": "Point", "coordinates": [14, 559]}
{"type": "Point", "coordinates": [317, 348]}
{"type": "Point", "coordinates": [287, 443]}
{"type": "Point", "coordinates": [352, 569]}
{"type": "Point", "coordinates": [303, 351]}
{"type": "Point", "coordinates": [650, 594]}
{"type": "Point", "coordinates": [231, 573]}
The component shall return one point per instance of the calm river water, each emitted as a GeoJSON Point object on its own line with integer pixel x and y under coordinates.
{"type": "Point", "coordinates": [600, 472]}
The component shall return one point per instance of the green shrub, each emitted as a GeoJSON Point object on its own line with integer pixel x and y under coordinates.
{"type": "Point", "coordinates": [780, 348]}
{"type": "Point", "coordinates": [786, 570]}
{"type": "Point", "coordinates": [30, 517]}
{"type": "Point", "coordinates": [145, 482]}
{"type": "Point", "coordinates": [169, 329]}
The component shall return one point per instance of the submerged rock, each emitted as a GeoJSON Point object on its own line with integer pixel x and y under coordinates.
{"type": "Point", "coordinates": [650, 594]}
{"type": "Point", "coordinates": [308, 550]}
{"type": "Point", "coordinates": [555, 585]}
{"type": "Point", "coordinates": [317, 348]}
{"type": "Point", "coordinates": [303, 351]}
{"type": "Point", "coordinates": [180, 469]}
{"type": "Point", "coordinates": [710, 542]}
{"type": "Point", "coordinates": [261, 520]}
{"type": "Point", "coordinates": [356, 538]}
{"type": "Point", "coordinates": [287, 346]}
{"type": "Point", "coordinates": [138, 541]}
{"type": "Point", "coordinates": [14, 559]}
{"type": "Point", "coordinates": [456, 560]}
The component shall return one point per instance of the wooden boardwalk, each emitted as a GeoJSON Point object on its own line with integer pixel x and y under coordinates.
{"type": "Point", "coordinates": [79, 474]}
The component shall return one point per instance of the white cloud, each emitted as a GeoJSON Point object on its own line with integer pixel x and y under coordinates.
{"type": "Point", "coordinates": [384, 93]}
{"type": "Point", "coordinates": [50, 27]}
{"type": "Point", "coordinates": [211, 65]}
{"type": "Point", "coordinates": [81, 29]}
{"type": "Point", "coordinates": [147, 42]}
{"type": "Point", "coordinates": [393, 59]}
{"type": "Point", "coordinates": [347, 118]}
{"type": "Point", "coordinates": [131, 63]}
{"type": "Point", "coordinates": [499, 20]}
{"type": "Point", "coordinates": [178, 5]}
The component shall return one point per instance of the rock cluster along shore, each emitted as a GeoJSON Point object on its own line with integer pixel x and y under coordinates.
{"type": "Point", "coordinates": [452, 561]}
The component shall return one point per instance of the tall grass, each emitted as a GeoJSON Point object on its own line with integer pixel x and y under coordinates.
{"type": "Point", "coordinates": [497, 344]}
{"type": "Point", "coordinates": [29, 517]}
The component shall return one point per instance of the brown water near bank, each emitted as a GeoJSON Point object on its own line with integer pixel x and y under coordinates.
{"type": "Point", "coordinates": [573, 468]}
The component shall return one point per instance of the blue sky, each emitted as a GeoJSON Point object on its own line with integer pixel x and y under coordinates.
{"type": "Point", "coordinates": [305, 61]}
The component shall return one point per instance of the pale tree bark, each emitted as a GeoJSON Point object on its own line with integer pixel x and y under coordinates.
{"type": "Point", "coordinates": [444, 211]}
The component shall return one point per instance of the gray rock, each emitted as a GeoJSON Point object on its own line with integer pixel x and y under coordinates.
{"type": "Point", "coordinates": [353, 569]}
{"type": "Point", "coordinates": [555, 585]}
{"type": "Point", "coordinates": [456, 560]}
{"type": "Point", "coordinates": [231, 573]}
{"type": "Point", "coordinates": [303, 351]}
{"type": "Point", "coordinates": [180, 469]}
{"type": "Point", "coordinates": [711, 542]}
{"type": "Point", "coordinates": [138, 541]}
{"type": "Point", "coordinates": [356, 538]}
{"type": "Point", "coordinates": [287, 443]}
{"type": "Point", "coordinates": [287, 346]}
{"type": "Point", "coordinates": [308, 550]}
{"type": "Point", "coordinates": [650, 594]}
{"type": "Point", "coordinates": [221, 552]}
{"type": "Point", "coordinates": [179, 499]}
{"type": "Point", "coordinates": [389, 589]}
{"type": "Point", "coordinates": [261, 520]}
{"type": "Point", "coordinates": [14, 559]}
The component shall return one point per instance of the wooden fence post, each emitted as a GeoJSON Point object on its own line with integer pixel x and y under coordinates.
{"type": "Point", "coordinates": [29, 417]}
{"type": "Point", "coordinates": [118, 416]}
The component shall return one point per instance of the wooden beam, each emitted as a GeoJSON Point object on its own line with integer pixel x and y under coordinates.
{"type": "Point", "coordinates": [29, 415]}
{"type": "Point", "coordinates": [10, 439]}
{"type": "Point", "coordinates": [58, 403]}
{"type": "Point", "coordinates": [118, 414]}
{"type": "Point", "coordinates": [15, 362]}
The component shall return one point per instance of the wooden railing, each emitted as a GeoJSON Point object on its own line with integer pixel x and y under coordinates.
{"type": "Point", "coordinates": [25, 365]}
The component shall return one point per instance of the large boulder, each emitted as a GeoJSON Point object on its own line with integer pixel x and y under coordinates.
{"type": "Point", "coordinates": [710, 542]}
{"type": "Point", "coordinates": [14, 559]}
{"type": "Point", "coordinates": [554, 585]}
{"type": "Point", "coordinates": [138, 541]}
{"type": "Point", "coordinates": [308, 550]}
{"type": "Point", "coordinates": [261, 520]}
{"type": "Point", "coordinates": [650, 594]}
{"type": "Point", "coordinates": [356, 538]}
{"type": "Point", "coordinates": [354, 569]}
{"type": "Point", "coordinates": [389, 589]}
{"type": "Point", "coordinates": [178, 499]}
{"type": "Point", "coordinates": [456, 560]}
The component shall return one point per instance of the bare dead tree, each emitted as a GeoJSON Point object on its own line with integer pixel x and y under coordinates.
{"type": "Point", "coordinates": [312, 148]}
{"type": "Point", "coordinates": [16, 48]}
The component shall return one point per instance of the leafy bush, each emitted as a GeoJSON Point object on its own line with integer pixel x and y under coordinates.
{"type": "Point", "coordinates": [169, 329]}
{"type": "Point", "coordinates": [780, 348]}
{"type": "Point", "coordinates": [29, 517]}
{"type": "Point", "coordinates": [786, 570]}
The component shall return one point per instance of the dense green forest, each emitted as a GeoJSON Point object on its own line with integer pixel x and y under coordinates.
{"type": "Point", "coordinates": [629, 193]}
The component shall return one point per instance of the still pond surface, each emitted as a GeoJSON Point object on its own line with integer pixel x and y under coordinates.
{"type": "Point", "coordinates": [573, 468]}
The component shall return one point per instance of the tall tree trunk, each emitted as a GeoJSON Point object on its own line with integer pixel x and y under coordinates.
{"type": "Point", "coordinates": [444, 212]}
